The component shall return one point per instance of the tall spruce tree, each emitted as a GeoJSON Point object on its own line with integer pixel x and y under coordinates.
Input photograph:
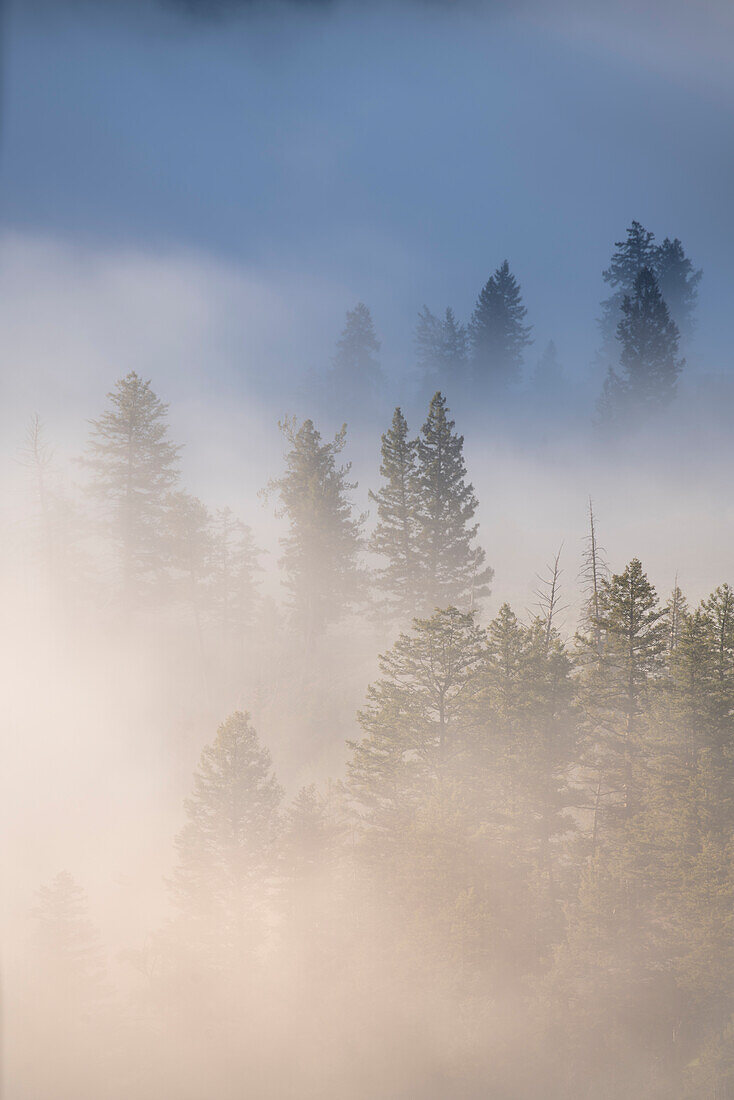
{"type": "Point", "coordinates": [356, 373]}
{"type": "Point", "coordinates": [451, 563]}
{"type": "Point", "coordinates": [677, 278]}
{"type": "Point", "coordinates": [227, 847]}
{"type": "Point", "coordinates": [414, 780]}
{"type": "Point", "coordinates": [419, 722]}
{"type": "Point", "coordinates": [648, 341]}
{"type": "Point", "coordinates": [441, 351]}
{"type": "Point", "coordinates": [635, 630]}
{"type": "Point", "coordinates": [678, 281]}
{"type": "Point", "coordinates": [527, 711]}
{"type": "Point", "coordinates": [320, 552]}
{"type": "Point", "coordinates": [133, 466]}
{"type": "Point", "coordinates": [497, 332]}
{"type": "Point", "coordinates": [68, 945]}
{"type": "Point", "coordinates": [636, 251]}
{"type": "Point", "coordinates": [395, 535]}
{"type": "Point", "coordinates": [189, 550]}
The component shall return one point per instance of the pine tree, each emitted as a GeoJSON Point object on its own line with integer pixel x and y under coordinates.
{"type": "Point", "coordinates": [133, 466]}
{"type": "Point", "coordinates": [68, 945]}
{"type": "Point", "coordinates": [356, 370]}
{"type": "Point", "coordinates": [414, 780]}
{"type": "Point", "coordinates": [677, 611]}
{"type": "Point", "coordinates": [648, 355]}
{"type": "Point", "coordinates": [309, 836]}
{"type": "Point", "coordinates": [678, 281]}
{"type": "Point", "coordinates": [676, 276]}
{"type": "Point", "coordinates": [395, 535]}
{"type": "Point", "coordinates": [227, 848]}
{"type": "Point", "coordinates": [190, 547]}
{"type": "Point", "coordinates": [441, 350]}
{"type": "Point", "coordinates": [635, 632]}
{"type": "Point", "coordinates": [531, 736]}
{"type": "Point", "coordinates": [320, 553]}
{"type": "Point", "coordinates": [632, 254]}
{"type": "Point", "coordinates": [451, 564]}
{"type": "Point", "coordinates": [419, 720]}
{"type": "Point", "coordinates": [594, 571]}
{"type": "Point", "coordinates": [497, 333]}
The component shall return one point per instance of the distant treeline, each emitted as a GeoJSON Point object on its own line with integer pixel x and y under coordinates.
{"type": "Point", "coordinates": [648, 315]}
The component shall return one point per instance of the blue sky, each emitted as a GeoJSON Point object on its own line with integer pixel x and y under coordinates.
{"type": "Point", "coordinates": [395, 154]}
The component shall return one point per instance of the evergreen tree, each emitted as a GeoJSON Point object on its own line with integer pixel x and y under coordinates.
{"type": "Point", "coordinates": [678, 281]}
{"type": "Point", "coordinates": [69, 1028]}
{"type": "Point", "coordinates": [68, 946]}
{"type": "Point", "coordinates": [676, 276]}
{"type": "Point", "coordinates": [419, 721]}
{"type": "Point", "coordinates": [442, 350]}
{"type": "Point", "coordinates": [414, 778]}
{"type": "Point", "coordinates": [134, 466]}
{"type": "Point", "coordinates": [227, 848]}
{"type": "Point", "coordinates": [497, 333]}
{"type": "Point", "coordinates": [648, 354]}
{"type": "Point", "coordinates": [631, 255]}
{"type": "Point", "coordinates": [677, 611]}
{"type": "Point", "coordinates": [190, 547]}
{"type": "Point", "coordinates": [355, 368]}
{"type": "Point", "coordinates": [321, 550]}
{"type": "Point", "coordinates": [634, 630]}
{"type": "Point", "coordinates": [395, 535]}
{"type": "Point", "coordinates": [451, 564]}
{"type": "Point", "coordinates": [309, 835]}
{"type": "Point", "coordinates": [594, 571]}
{"type": "Point", "coordinates": [233, 594]}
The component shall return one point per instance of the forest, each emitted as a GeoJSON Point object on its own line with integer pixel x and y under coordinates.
{"type": "Point", "coordinates": [496, 860]}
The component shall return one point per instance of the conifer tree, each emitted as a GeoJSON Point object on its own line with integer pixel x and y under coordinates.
{"type": "Point", "coordinates": [415, 782]}
{"type": "Point", "coordinates": [69, 946]}
{"type": "Point", "coordinates": [320, 552]}
{"type": "Point", "coordinates": [635, 631]}
{"type": "Point", "coordinates": [676, 276]}
{"type": "Point", "coordinates": [190, 547]}
{"type": "Point", "coordinates": [419, 720]}
{"type": "Point", "coordinates": [649, 360]}
{"type": "Point", "coordinates": [395, 535]}
{"type": "Point", "coordinates": [678, 281]}
{"type": "Point", "coordinates": [636, 251]}
{"type": "Point", "coordinates": [355, 368]}
{"type": "Point", "coordinates": [441, 350]}
{"type": "Point", "coordinates": [497, 332]}
{"type": "Point", "coordinates": [69, 1013]}
{"type": "Point", "coordinates": [227, 847]}
{"type": "Point", "coordinates": [531, 737]}
{"type": "Point", "coordinates": [309, 836]}
{"type": "Point", "coordinates": [594, 570]}
{"type": "Point", "coordinates": [677, 610]}
{"type": "Point", "coordinates": [133, 467]}
{"type": "Point", "coordinates": [451, 563]}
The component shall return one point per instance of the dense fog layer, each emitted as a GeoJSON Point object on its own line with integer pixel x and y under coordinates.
{"type": "Point", "coordinates": [367, 630]}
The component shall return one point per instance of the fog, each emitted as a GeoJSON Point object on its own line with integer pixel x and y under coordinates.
{"type": "Point", "coordinates": [388, 782]}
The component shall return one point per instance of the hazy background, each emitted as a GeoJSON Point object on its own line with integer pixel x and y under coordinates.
{"type": "Point", "coordinates": [199, 195]}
